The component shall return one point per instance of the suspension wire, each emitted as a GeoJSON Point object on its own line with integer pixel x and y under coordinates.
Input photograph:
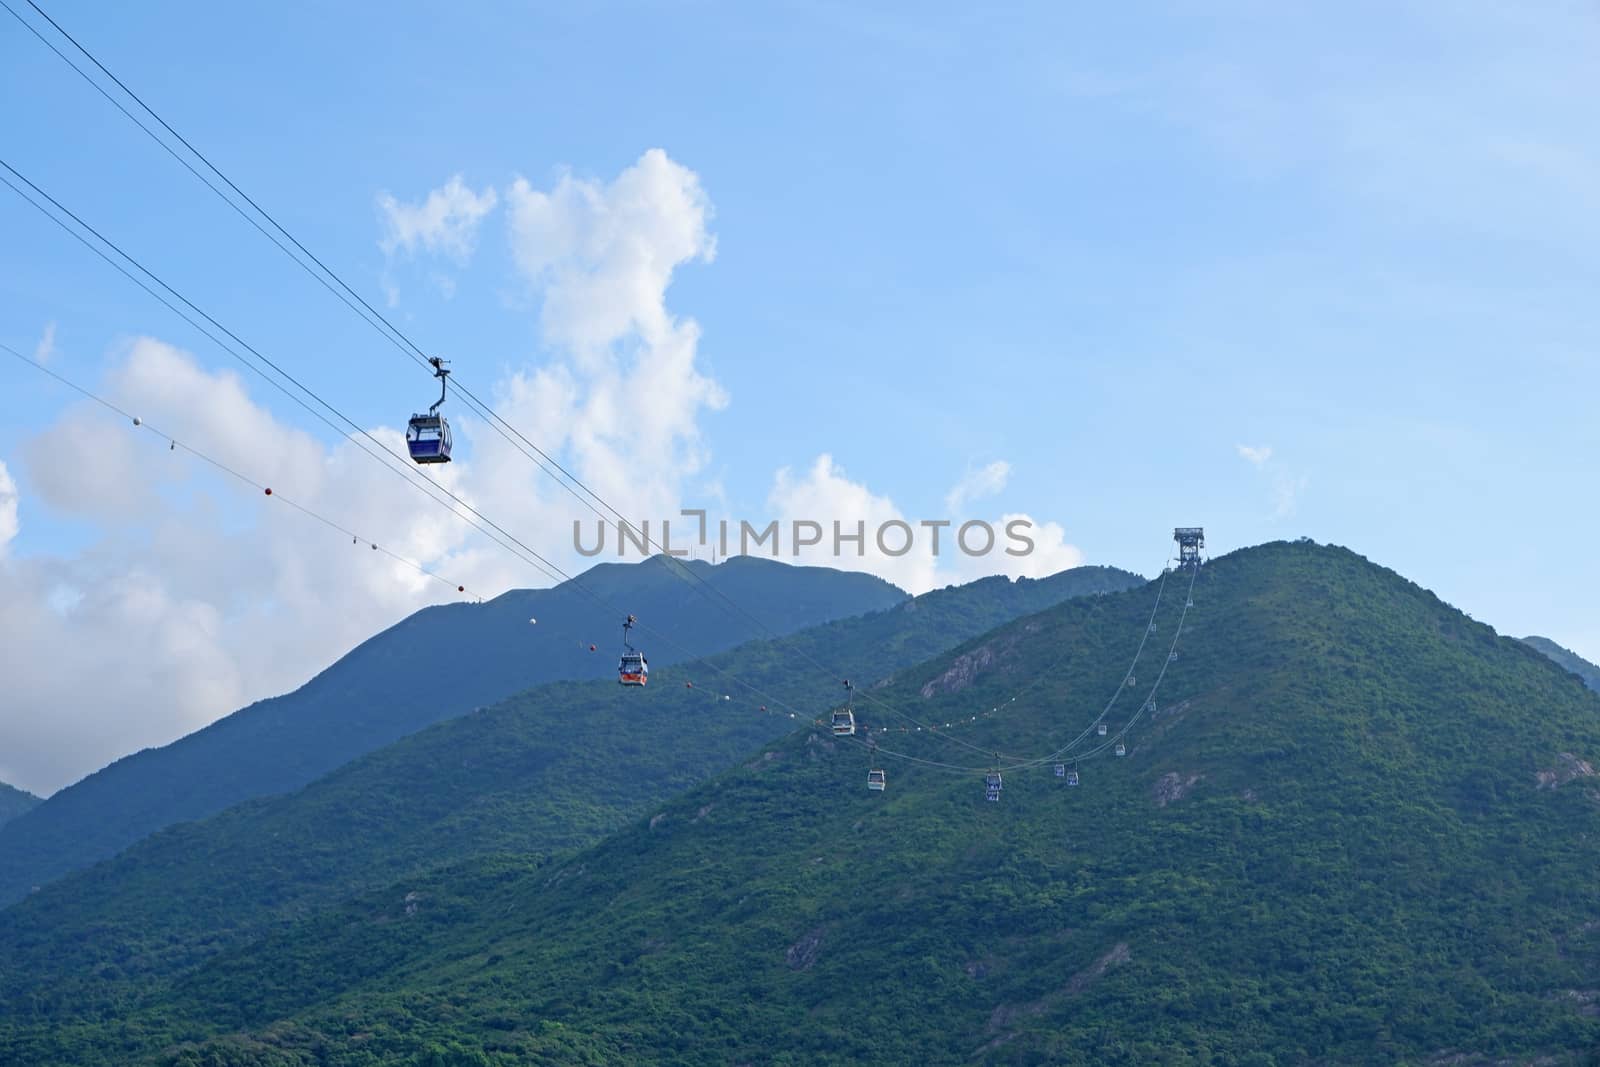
{"type": "Point", "coordinates": [341, 290]}
{"type": "Point", "coordinates": [427, 486]}
{"type": "Point", "coordinates": [276, 494]}
{"type": "Point", "coordinates": [1065, 750]}
{"type": "Point", "coordinates": [1149, 700]}
{"type": "Point", "coordinates": [1122, 686]}
{"type": "Point", "coordinates": [539, 562]}
{"type": "Point", "coordinates": [351, 298]}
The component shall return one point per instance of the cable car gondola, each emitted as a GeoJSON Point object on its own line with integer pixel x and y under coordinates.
{"type": "Point", "coordinates": [1072, 777]}
{"type": "Point", "coordinates": [428, 436]}
{"type": "Point", "coordinates": [633, 668]}
{"type": "Point", "coordinates": [844, 719]}
{"type": "Point", "coordinates": [1061, 770]}
{"type": "Point", "coordinates": [1122, 749]}
{"type": "Point", "coordinates": [991, 786]}
{"type": "Point", "coordinates": [877, 781]}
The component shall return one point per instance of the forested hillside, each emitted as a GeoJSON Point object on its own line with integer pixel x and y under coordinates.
{"type": "Point", "coordinates": [1356, 827]}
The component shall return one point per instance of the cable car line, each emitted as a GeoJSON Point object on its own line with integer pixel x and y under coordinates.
{"type": "Point", "coordinates": [276, 494]}
{"type": "Point", "coordinates": [1121, 735]}
{"type": "Point", "coordinates": [433, 425]}
{"type": "Point", "coordinates": [349, 296]}
{"type": "Point", "coordinates": [1122, 687]}
{"type": "Point", "coordinates": [387, 329]}
{"type": "Point", "coordinates": [392, 332]}
{"type": "Point", "coordinates": [1066, 750]}
{"type": "Point", "coordinates": [382, 452]}
{"type": "Point", "coordinates": [425, 485]}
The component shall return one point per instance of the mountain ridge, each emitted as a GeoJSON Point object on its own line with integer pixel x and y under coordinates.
{"type": "Point", "coordinates": [437, 662]}
{"type": "Point", "coordinates": [552, 769]}
{"type": "Point", "coordinates": [1589, 672]}
{"type": "Point", "coordinates": [1353, 830]}
{"type": "Point", "coordinates": [14, 802]}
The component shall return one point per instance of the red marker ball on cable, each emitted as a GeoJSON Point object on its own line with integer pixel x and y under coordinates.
{"type": "Point", "coordinates": [269, 491]}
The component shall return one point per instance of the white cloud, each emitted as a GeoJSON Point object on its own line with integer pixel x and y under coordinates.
{"type": "Point", "coordinates": [826, 495]}
{"type": "Point", "coordinates": [1286, 486]}
{"type": "Point", "coordinates": [445, 222]}
{"type": "Point", "coordinates": [199, 595]}
{"type": "Point", "coordinates": [1257, 456]}
{"type": "Point", "coordinates": [8, 510]}
{"type": "Point", "coordinates": [45, 350]}
{"type": "Point", "coordinates": [976, 485]}
{"type": "Point", "coordinates": [1286, 490]}
{"type": "Point", "coordinates": [602, 256]}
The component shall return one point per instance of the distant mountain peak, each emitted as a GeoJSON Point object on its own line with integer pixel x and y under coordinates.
{"type": "Point", "coordinates": [1589, 672]}
{"type": "Point", "coordinates": [14, 802]}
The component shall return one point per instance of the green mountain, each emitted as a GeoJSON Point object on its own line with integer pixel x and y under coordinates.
{"type": "Point", "coordinates": [547, 772]}
{"type": "Point", "coordinates": [440, 662]}
{"type": "Point", "coordinates": [1568, 659]}
{"type": "Point", "coordinates": [14, 802]}
{"type": "Point", "coordinates": [1358, 827]}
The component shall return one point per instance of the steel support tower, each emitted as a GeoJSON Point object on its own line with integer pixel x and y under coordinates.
{"type": "Point", "coordinates": [1191, 539]}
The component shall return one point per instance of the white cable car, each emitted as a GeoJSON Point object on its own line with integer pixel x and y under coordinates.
{"type": "Point", "coordinates": [1061, 770]}
{"type": "Point", "coordinates": [428, 436]}
{"type": "Point", "coordinates": [632, 668]}
{"type": "Point", "coordinates": [844, 720]}
{"type": "Point", "coordinates": [1072, 777]}
{"type": "Point", "coordinates": [877, 781]}
{"type": "Point", "coordinates": [1172, 657]}
{"type": "Point", "coordinates": [1122, 749]}
{"type": "Point", "coordinates": [1189, 604]}
{"type": "Point", "coordinates": [1101, 729]}
{"type": "Point", "coordinates": [1150, 705]}
{"type": "Point", "coordinates": [991, 786]}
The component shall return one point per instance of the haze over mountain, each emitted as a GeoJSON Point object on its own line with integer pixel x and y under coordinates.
{"type": "Point", "coordinates": [14, 802]}
{"type": "Point", "coordinates": [1357, 827]}
{"type": "Point", "coordinates": [441, 661]}
{"type": "Point", "coordinates": [550, 770]}
{"type": "Point", "coordinates": [1568, 659]}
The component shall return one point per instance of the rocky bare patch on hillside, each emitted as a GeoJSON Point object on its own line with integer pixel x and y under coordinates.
{"type": "Point", "coordinates": [967, 666]}
{"type": "Point", "coordinates": [1174, 786]}
{"type": "Point", "coordinates": [1566, 769]}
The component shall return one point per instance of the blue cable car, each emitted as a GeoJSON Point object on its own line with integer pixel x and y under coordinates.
{"type": "Point", "coordinates": [428, 436]}
{"type": "Point", "coordinates": [991, 786]}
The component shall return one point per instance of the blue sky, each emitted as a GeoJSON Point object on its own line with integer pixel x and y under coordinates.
{"type": "Point", "coordinates": [1103, 249]}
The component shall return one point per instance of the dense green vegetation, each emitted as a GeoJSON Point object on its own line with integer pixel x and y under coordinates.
{"type": "Point", "coordinates": [1568, 659]}
{"type": "Point", "coordinates": [1360, 828]}
{"type": "Point", "coordinates": [549, 771]}
{"type": "Point", "coordinates": [14, 802]}
{"type": "Point", "coordinates": [440, 662]}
